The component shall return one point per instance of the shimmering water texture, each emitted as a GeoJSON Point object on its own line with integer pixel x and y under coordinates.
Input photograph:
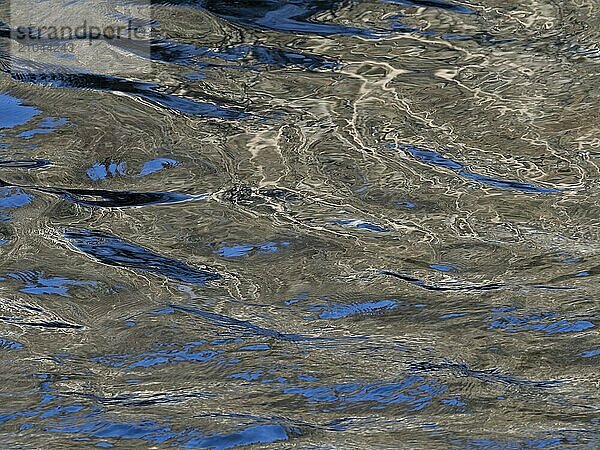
{"type": "Point", "coordinates": [358, 224]}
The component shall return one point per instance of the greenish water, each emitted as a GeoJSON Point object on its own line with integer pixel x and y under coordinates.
{"type": "Point", "coordinates": [350, 225]}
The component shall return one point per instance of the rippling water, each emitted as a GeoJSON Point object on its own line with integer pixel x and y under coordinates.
{"type": "Point", "coordinates": [315, 224]}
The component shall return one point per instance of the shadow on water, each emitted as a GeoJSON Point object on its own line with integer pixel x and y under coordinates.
{"type": "Point", "coordinates": [111, 250]}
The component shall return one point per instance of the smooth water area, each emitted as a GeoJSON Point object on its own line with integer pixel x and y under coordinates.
{"type": "Point", "coordinates": [318, 224]}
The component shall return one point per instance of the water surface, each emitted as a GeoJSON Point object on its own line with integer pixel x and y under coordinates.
{"type": "Point", "coordinates": [315, 224]}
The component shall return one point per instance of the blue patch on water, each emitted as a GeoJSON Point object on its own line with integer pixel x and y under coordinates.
{"type": "Point", "coordinates": [434, 158]}
{"type": "Point", "coordinates": [95, 425]}
{"type": "Point", "coordinates": [248, 376]}
{"type": "Point", "coordinates": [457, 37]}
{"type": "Point", "coordinates": [12, 197]}
{"type": "Point", "coordinates": [255, 347]}
{"type": "Point", "coordinates": [156, 165]}
{"type": "Point", "coordinates": [305, 377]}
{"type": "Point", "coordinates": [145, 430]}
{"type": "Point", "coordinates": [256, 434]}
{"type": "Point", "coordinates": [454, 401]}
{"type": "Point", "coordinates": [37, 284]}
{"type": "Point", "coordinates": [414, 391]}
{"type": "Point", "coordinates": [6, 344]}
{"type": "Point", "coordinates": [165, 354]}
{"type": "Point", "coordinates": [238, 250]}
{"type": "Point", "coordinates": [60, 409]}
{"type": "Point", "coordinates": [361, 225]}
{"type": "Point", "coordinates": [46, 126]}
{"type": "Point", "coordinates": [14, 113]}
{"type": "Point", "coordinates": [164, 312]}
{"type": "Point", "coordinates": [571, 260]}
{"type": "Point", "coordinates": [195, 76]}
{"type": "Point", "coordinates": [235, 251]}
{"type": "Point", "coordinates": [339, 311]}
{"type": "Point", "coordinates": [103, 171]}
{"type": "Point", "coordinates": [226, 341]}
{"type": "Point", "coordinates": [506, 320]}
{"type": "Point", "coordinates": [591, 353]}
{"type": "Point", "coordinates": [452, 315]}
{"type": "Point", "coordinates": [443, 267]}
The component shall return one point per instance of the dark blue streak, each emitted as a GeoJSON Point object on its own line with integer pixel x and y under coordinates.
{"type": "Point", "coordinates": [111, 250]}
{"type": "Point", "coordinates": [435, 159]}
{"type": "Point", "coordinates": [240, 325]}
{"type": "Point", "coordinates": [137, 89]}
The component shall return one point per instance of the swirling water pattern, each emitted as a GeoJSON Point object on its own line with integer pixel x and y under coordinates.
{"type": "Point", "coordinates": [316, 224]}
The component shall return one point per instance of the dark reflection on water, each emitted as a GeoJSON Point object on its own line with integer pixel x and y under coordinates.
{"type": "Point", "coordinates": [314, 224]}
{"type": "Point", "coordinates": [113, 251]}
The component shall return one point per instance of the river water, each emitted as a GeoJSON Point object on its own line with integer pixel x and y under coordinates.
{"type": "Point", "coordinates": [314, 224]}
